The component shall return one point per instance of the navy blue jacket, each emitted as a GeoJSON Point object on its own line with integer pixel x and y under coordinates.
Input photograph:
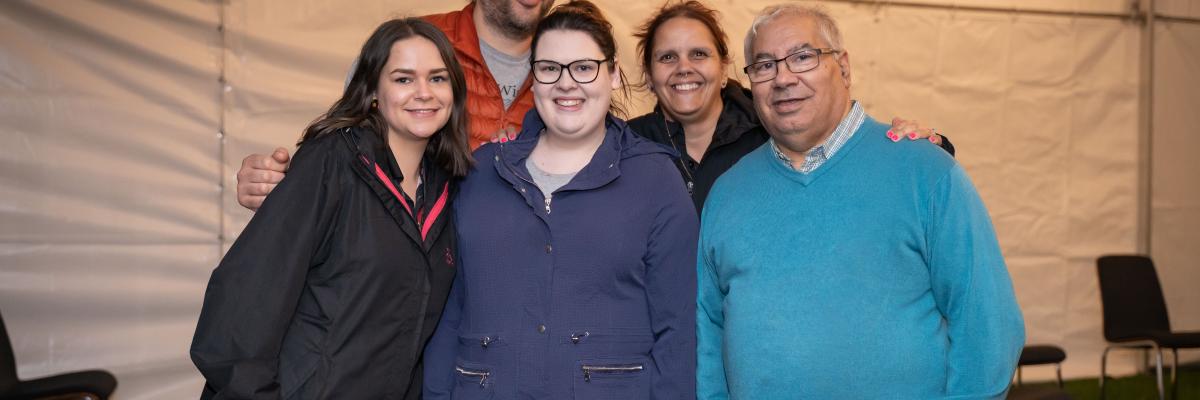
{"type": "Point", "coordinates": [590, 297]}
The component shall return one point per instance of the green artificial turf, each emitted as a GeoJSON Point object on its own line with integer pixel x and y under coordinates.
{"type": "Point", "coordinates": [1135, 387]}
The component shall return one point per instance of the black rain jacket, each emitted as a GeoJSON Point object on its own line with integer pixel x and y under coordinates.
{"type": "Point", "coordinates": [333, 288]}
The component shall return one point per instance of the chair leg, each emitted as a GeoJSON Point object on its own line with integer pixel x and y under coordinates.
{"type": "Point", "coordinates": [1174, 370]}
{"type": "Point", "coordinates": [1019, 375]}
{"type": "Point", "coordinates": [1058, 373]}
{"type": "Point", "coordinates": [1145, 367]}
{"type": "Point", "coordinates": [1158, 372]}
{"type": "Point", "coordinates": [1103, 364]}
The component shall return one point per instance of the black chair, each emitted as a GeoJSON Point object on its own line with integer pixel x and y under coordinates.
{"type": "Point", "coordinates": [1042, 354]}
{"type": "Point", "coordinates": [1038, 355]}
{"type": "Point", "coordinates": [1135, 314]}
{"type": "Point", "coordinates": [93, 384]}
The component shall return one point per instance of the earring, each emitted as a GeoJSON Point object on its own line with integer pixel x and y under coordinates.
{"type": "Point", "coordinates": [723, 83]}
{"type": "Point", "coordinates": [374, 103]}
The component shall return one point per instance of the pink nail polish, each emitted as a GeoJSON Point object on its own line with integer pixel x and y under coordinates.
{"type": "Point", "coordinates": [912, 136]}
{"type": "Point", "coordinates": [503, 139]}
{"type": "Point", "coordinates": [932, 139]}
{"type": "Point", "coordinates": [893, 137]}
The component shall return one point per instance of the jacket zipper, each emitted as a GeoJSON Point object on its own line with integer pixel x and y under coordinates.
{"type": "Point", "coordinates": [426, 286]}
{"type": "Point", "coordinates": [546, 196]}
{"type": "Point", "coordinates": [588, 370]}
{"type": "Point", "coordinates": [482, 375]}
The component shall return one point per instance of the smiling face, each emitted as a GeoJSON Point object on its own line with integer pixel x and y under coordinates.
{"type": "Point", "coordinates": [515, 18]}
{"type": "Point", "coordinates": [686, 71]}
{"type": "Point", "coordinates": [414, 93]}
{"type": "Point", "coordinates": [800, 110]}
{"type": "Point", "coordinates": [571, 109]}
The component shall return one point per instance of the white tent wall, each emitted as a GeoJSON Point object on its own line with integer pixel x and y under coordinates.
{"type": "Point", "coordinates": [109, 195]}
{"type": "Point", "coordinates": [122, 124]}
{"type": "Point", "coordinates": [1175, 168]}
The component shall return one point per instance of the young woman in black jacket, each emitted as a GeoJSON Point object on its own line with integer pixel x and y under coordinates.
{"type": "Point", "coordinates": [338, 281]}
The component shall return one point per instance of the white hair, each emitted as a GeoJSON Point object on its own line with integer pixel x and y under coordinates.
{"type": "Point", "coordinates": [826, 25]}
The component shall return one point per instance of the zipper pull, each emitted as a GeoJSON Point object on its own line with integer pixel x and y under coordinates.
{"type": "Point", "coordinates": [483, 375]}
{"type": "Point", "coordinates": [548, 197]}
{"type": "Point", "coordinates": [575, 338]}
{"type": "Point", "coordinates": [587, 374]}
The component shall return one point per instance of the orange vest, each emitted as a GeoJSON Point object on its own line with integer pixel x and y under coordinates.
{"type": "Point", "coordinates": [485, 106]}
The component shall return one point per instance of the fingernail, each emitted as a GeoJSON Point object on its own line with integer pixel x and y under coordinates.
{"type": "Point", "coordinates": [503, 139]}
{"type": "Point", "coordinates": [933, 139]}
{"type": "Point", "coordinates": [912, 136]}
{"type": "Point", "coordinates": [893, 137]}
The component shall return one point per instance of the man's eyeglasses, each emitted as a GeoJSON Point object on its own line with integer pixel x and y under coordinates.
{"type": "Point", "coordinates": [800, 61]}
{"type": "Point", "coordinates": [582, 71]}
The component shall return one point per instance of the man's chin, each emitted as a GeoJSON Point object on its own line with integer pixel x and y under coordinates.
{"type": "Point", "coordinates": [795, 129]}
{"type": "Point", "coordinates": [531, 4]}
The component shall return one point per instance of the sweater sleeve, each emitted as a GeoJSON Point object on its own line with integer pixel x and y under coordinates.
{"type": "Point", "coordinates": [442, 350]}
{"type": "Point", "coordinates": [973, 291]}
{"type": "Point", "coordinates": [253, 293]}
{"type": "Point", "coordinates": [671, 290]}
{"type": "Point", "coordinates": [710, 329]}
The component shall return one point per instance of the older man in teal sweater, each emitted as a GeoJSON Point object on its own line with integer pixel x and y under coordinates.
{"type": "Point", "coordinates": [825, 272]}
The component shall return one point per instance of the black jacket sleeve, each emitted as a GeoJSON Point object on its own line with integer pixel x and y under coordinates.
{"type": "Point", "coordinates": [253, 293]}
{"type": "Point", "coordinates": [946, 145]}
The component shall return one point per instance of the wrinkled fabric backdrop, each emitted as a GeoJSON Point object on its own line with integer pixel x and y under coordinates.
{"type": "Point", "coordinates": [122, 124]}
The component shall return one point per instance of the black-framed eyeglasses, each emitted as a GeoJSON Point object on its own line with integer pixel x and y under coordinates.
{"type": "Point", "coordinates": [800, 61]}
{"type": "Point", "coordinates": [582, 71]}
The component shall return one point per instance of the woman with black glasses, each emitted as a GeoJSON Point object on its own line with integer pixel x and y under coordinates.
{"type": "Point", "coordinates": [577, 258]}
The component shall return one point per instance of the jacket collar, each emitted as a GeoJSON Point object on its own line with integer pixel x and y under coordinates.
{"type": "Point", "coordinates": [619, 143]}
{"type": "Point", "coordinates": [461, 32]}
{"type": "Point", "coordinates": [737, 116]}
{"type": "Point", "coordinates": [370, 152]}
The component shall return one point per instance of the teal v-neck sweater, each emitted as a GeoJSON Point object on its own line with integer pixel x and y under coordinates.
{"type": "Point", "coordinates": [877, 275]}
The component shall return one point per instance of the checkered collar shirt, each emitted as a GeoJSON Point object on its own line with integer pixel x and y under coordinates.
{"type": "Point", "coordinates": [824, 151]}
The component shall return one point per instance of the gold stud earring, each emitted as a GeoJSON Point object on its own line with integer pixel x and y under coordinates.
{"type": "Point", "coordinates": [374, 103]}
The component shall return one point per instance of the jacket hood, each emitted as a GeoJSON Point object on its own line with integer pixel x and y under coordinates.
{"type": "Point", "coordinates": [737, 117]}
{"type": "Point", "coordinates": [738, 99]}
{"type": "Point", "coordinates": [617, 137]}
{"type": "Point", "coordinates": [620, 143]}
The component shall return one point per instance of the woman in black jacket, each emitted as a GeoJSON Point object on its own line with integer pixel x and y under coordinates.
{"type": "Point", "coordinates": [705, 116]}
{"type": "Point", "coordinates": [338, 281]}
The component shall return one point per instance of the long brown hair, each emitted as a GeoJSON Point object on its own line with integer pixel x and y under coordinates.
{"type": "Point", "coordinates": [584, 16]}
{"type": "Point", "coordinates": [448, 147]}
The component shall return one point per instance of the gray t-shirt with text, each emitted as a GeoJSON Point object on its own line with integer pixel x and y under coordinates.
{"type": "Point", "coordinates": [510, 71]}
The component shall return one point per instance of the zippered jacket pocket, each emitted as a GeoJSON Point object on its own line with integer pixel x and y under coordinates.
{"type": "Point", "coordinates": [624, 379]}
{"type": "Point", "coordinates": [473, 381]}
